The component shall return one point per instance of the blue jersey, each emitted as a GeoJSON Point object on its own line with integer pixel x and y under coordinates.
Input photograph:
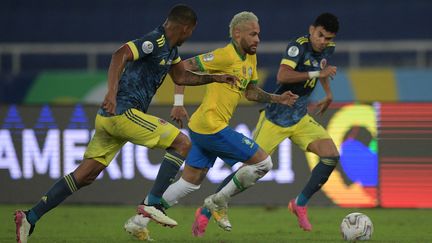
{"type": "Point", "coordinates": [302, 58]}
{"type": "Point", "coordinates": [141, 77]}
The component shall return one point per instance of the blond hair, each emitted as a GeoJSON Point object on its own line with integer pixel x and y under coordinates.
{"type": "Point", "coordinates": [240, 19]}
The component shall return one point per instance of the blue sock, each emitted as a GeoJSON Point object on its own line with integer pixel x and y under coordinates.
{"type": "Point", "coordinates": [32, 218]}
{"type": "Point", "coordinates": [206, 212]}
{"type": "Point", "coordinates": [301, 200]}
{"type": "Point", "coordinates": [56, 194]}
{"type": "Point", "coordinates": [166, 175]}
{"type": "Point", "coordinates": [320, 175]}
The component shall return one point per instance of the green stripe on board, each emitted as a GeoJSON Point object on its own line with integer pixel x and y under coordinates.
{"type": "Point", "coordinates": [63, 87]}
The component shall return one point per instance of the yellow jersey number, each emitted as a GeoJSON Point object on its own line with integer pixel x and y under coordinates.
{"type": "Point", "coordinates": [310, 82]}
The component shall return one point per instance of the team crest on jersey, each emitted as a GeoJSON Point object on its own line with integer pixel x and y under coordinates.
{"type": "Point", "coordinates": [208, 57]}
{"type": "Point", "coordinates": [323, 63]}
{"type": "Point", "coordinates": [293, 51]}
{"type": "Point", "coordinates": [250, 72]}
{"type": "Point", "coordinates": [162, 121]}
{"type": "Point", "coordinates": [147, 47]}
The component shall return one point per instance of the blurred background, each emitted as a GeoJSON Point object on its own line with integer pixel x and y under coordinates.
{"type": "Point", "coordinates": [54, 58]}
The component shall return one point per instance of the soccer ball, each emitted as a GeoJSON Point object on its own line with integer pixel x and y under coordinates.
{"type": "Point", "coordinates": [356, 226]}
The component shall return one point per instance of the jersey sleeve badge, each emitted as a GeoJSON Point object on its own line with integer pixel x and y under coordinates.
{"type": "Point", "coordinates": [293, 51]}
{"type": "Point", "coordinates": [147, 47]}
{"type": "Point", "coordinates": [208, 57]}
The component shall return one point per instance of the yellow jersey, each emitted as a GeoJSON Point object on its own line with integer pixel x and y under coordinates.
{"type": "Point", "coordinates": [220, 99]}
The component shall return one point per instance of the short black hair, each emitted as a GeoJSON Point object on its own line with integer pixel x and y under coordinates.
{"type": "Point", "coordinates": [183, 14]}
{"type": "Point", "coordinates": [328, 21]}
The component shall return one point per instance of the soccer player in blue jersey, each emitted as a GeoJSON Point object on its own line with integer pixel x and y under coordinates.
{"type": "Point", "coordinates": [209, 128]}
{"type": "Point", "coordinates": [303, 63]}
{"type": "Point", "coordinates": [136, 71]}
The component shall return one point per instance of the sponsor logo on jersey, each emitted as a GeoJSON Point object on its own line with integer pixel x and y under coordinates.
{"type": "Point", "coordinates": [293, 51]}
{"type": "Point", "coordinates": [315, 63]}
{"type": "Point", "coordinates": [147, 47]}
{"type": "Point", "coordinates": [208, 57]}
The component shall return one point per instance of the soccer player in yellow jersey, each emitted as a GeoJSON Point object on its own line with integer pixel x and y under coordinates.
{"type": "Point", "coordinates": [303, 63]}
{"type": "Point", "coordinates": [209, 128]}
{"type": "Point", "coordinates": [136, 71]}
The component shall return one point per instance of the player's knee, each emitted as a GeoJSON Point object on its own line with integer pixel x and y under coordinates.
{"type": "Point", "coordinates": [249, 174]}
{"type": "Point", "coordinates": [182, 144]}
{"type": "Point", "coordinates": [264, 166]}
{"type": "Point", "coordinates": [330, 160]}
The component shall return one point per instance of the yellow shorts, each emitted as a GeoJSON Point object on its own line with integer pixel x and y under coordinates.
{"type": "Point", "coordinates": [133, 126]}
{"type": "Point", "coordinates": [269, 135]}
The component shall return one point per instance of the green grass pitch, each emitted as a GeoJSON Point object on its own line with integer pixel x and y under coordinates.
{"type": "Point", "coordinates": [83, 223]}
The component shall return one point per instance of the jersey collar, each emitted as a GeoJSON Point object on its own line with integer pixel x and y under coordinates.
{"type": "Point", "coordinates": [242, 57]}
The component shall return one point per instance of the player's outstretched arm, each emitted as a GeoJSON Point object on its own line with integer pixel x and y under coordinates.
{"type": "Point", "coordinates": [254, 93]}
{"type": "Point", "coordinates": [178, 112]}
{"type": "Point", "coordinates": [182, 76]}
{"type": "Point", "coordinates": [287, 74]}
{"type": "Point", "coordinates": [118, 62]}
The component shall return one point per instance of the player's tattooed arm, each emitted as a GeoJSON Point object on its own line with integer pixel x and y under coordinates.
{"type": "Point", "coordinates": [254, 93]}
{"type": "Point", "coordinates": [184, 76]}
{"type": "Point", "coordinates": [191, 64]}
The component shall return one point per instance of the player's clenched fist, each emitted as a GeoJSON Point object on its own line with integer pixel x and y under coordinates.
{"type": "Point", "coordinates": [288, 98]}
{"type": "Point", "coordinates": [328, 72]}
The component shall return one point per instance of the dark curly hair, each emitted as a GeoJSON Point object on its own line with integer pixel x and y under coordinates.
{"type": "Point", "coordinates": [328, 21]}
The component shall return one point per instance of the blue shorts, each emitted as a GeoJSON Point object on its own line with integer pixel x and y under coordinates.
{"type": "Point", "coordinates": [227, 144]}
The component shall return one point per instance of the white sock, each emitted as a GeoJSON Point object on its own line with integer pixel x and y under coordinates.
{"type": "Point", "coordinates": [178, 190]}
{"type": "Point", "coordinates": [223, 196]}
{"type": "Point", "coordinates": [141, 220]}
{"type": "Point", "coordinates": [245, 177]}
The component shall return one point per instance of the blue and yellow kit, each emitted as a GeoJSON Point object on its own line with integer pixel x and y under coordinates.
{"type": "Point", "coordinates": [152, 59]}
{"type": "Point", "coordinates": [278, 122]}
{"type": "Point", "coordinates": [141, 78]}
{"type": "Point", "coordinates": [209, 131]}
{"type": "Point", "coordinates": [300, 56]}
{"type": "Point", "coordinates": [221, 99]}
